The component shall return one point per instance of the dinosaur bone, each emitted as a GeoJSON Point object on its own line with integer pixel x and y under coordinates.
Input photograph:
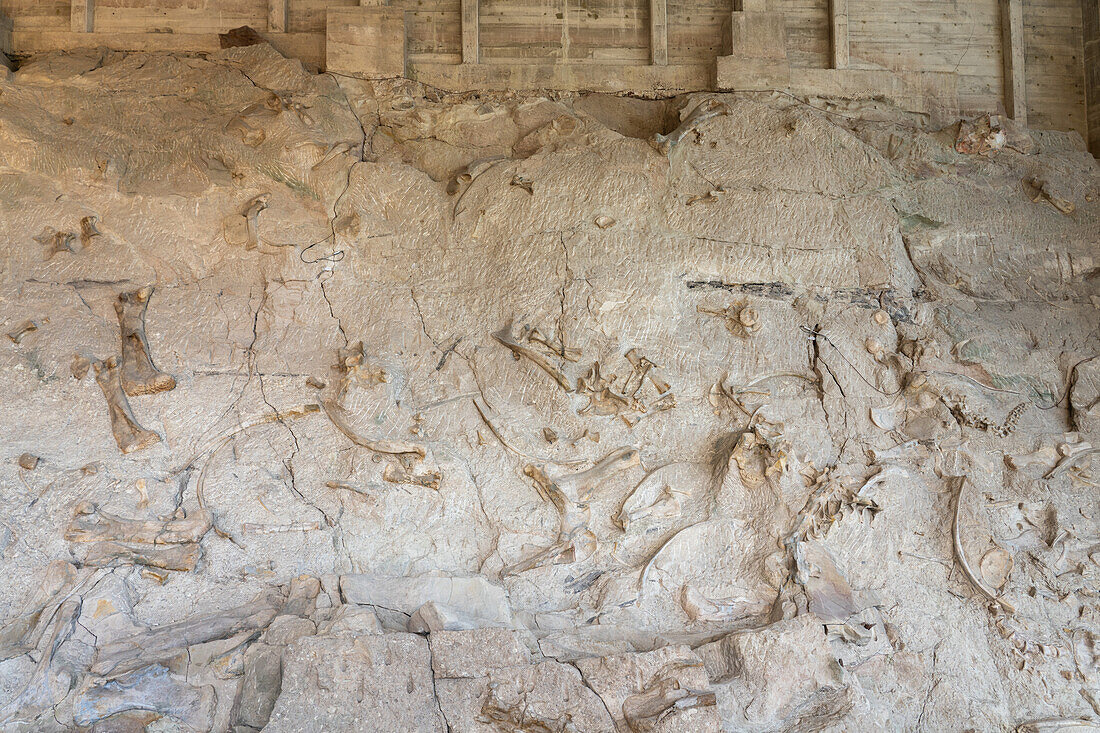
{"type": "Point", "coordinates": [90, 524]}
{"type": "Point", "coordinates": [139, 376]}
{"type": "Point", "coordinates": [128, 434]}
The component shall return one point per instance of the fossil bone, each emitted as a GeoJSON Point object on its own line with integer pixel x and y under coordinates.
{"type": "Point", "coordinates": [506, 338]}
{"type": "Point", "coordinates": [88, 230]}
{"type": "Point", "coordinates": [159, 645]}
{"type": "Point", "coordinates": [706, 110]}
{"type": "Point", "coordinates": [19, 332]}
{"type": "Point", "coordinates": [90, 524]}
{"type": "Point", "coordinates": [569, 493]}
{"type": "Point", "coordinates": [959, 483]}
{"type": "Point", "coordinates": [152, 689]}
{"type": "Point", "coordinates": [28, 461]}
{"type": "Point", "coordinates": [644, 711]}
{"type": "Point", "coordinates": [55, 241]}
{"type": "Point", "coordinates": [128, 434]}
{"type": "Point", "coordinates": [139, 376]}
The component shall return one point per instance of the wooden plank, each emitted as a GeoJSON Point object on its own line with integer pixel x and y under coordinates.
{"type": "Point", "coordinates": [366, 41]}
{"type": "Point", "coordinates": [470, 25]}
{"type": "Point", "coordinates": [82, 16]}
{"type": "Point", "coordinates": [838, 21]}
{"type": "Point", "coordinates": [1012, 30]}
{"type": "Point", "coordinates": [658, 32]}
{"type": "Point", "coordinates": [278, 15]}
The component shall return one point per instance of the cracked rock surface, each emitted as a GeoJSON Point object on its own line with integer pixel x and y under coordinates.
{"type": "Point", "coordinates": [493, 412]}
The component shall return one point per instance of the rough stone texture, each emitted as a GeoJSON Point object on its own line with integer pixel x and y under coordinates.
{"type": "Point", "coordinates": [621, 394]}
{"type": "Point", "coordinates": [371, 683]}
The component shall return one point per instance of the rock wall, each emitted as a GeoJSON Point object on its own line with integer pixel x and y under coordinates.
{"type": "Point", "coordinates": [333, 404]}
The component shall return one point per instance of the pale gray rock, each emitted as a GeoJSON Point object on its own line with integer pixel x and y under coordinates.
{"type": "Point", "coordinates": [363, 683]}
{"type": "Point", "coordinates": [473, 653]}
{"type": "Point", "coordinates": [764, 677]}
{"type": "Point", "coordinates": [152, 689]}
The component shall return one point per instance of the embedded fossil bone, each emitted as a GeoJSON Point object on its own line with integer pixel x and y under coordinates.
{"type": "Point", "coordinates": [46, 685]}
{"type": "Point", "coordinates": [90, 524]}
{"type": "Point", "coordinates": [153, 689]}
{"type": "Point", "coordinates": [128, 434]}
{"type": "Point", "coordinates": [569, 493]}
{"type": "Point", "coordinates": [1070, 460]}
{"type": "Point", "coordinates": [55, 241]}
{"type": "Point", "coordinates": [160, 644]}
{"type": "Point", "coordinates": [252, 528]}
{"type": "Point", "coordinates": [398, 474]}
{"type": "Point", "coordinates": [19, 332]}
{"type": "Point", "coordinates": [706, 110]}
{"type": "Point", "coordinates": [959, 482]}
{"type": "Point", "coordinates": [645, 710]}
{"type": "Point", "coordinates": [178, 557]}
{"type": "Point", "coordinates": [741, 320]}
{"type": "Point", "coordinates": [28, 461]}
{"type": "Point", "coordinates": [88, 230]}
{"type": "Point", "coordinates": [251, 216]}
{"type": "Point", "coordinates": [139, 376]}
{"type": "Point", "coordinates": [505, 338]}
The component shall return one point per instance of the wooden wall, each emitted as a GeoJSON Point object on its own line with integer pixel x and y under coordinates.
{"type": "Point", "coordinates": [957, 36]}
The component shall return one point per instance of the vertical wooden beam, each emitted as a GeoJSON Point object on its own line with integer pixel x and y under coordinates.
{"type": "Point", "coordinates": [838, 21]}
{"type": "Point", "coordinates": [81, 16]}
{"type": "Point", "coordinates": [1012, 46]}
{"type": "Point", "coordinates": [278, 15]}
{"type": "Point", "coordinates": [658, 32]}
{"type": "Point", "coordinates": [1090, 11]}
{"type": "Point", "coordinates": [470, 42]}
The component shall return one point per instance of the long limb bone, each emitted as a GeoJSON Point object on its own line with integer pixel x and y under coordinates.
{"type": "Point", "coordinates": [128, 434]}
{"type": "Point", "coordinates": [139, 376]}
{"type": "Point", "coordinates": [569, 494]}
{"type": "Point", "coordinates": [90, 524]}
{"type": "Point", "coordinates": [505, 338]}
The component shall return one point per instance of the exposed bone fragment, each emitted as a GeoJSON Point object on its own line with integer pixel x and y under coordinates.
{"type": "Point", "coordinates": [88, 230]}
{"type": "Point", "coordinates": [1042, 192]}
{"type": "Point", "coordinates": [79, 367]}
{"type": "Point", "coordinates": [139, 376]}
{"type": "Point", "coordinates": [604, 222]}
{"type": "Point", "coordinates": [958, 483]}
{"type": "Point", "coordinates": [128, 434]}
{"type": "Point", "coordinates": [16, 334]}
{"type": "Point", "coordinates": [90, 524]}
{"type": "Point", "coordinates": [996, 565]}
{"type": "Point", "coordinates": [522, 182]}
{"type": "Point", "coordinates": [152, 689]}
{"type": "Point", "coordinates": [181, 558]}
{"type": "Point", "coordinates": [55, 241]}
{"type": "Point", "coordinates": [251, 215]}
{"type": "Point", "coordinates": [159, 645]}
{"type": "Point", "coordinates": [47, 685]}
{"type": "Point", "coordinates": [741, 320]}
{"type": "Point", "coordinates": [1058, 725]}
{"type": "Point", "coordinates": [398, 474]}
{"type": "Point", "coordinates": [569, 494]}
{"type": "Point", "coordinates": [505, 337]}
{"type": "Point", "coordinates": [1070, 460]}
{"type": "Point", "coordinates": [28, 461]}
{"type": "Point", "coordinates": [252, 528]}
{"type": "Point", "coordinates": [644, 711]}
{"type": "Point", "coordinates": [706, 110]}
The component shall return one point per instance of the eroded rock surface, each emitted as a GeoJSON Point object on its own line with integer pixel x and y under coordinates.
{"type": "Point", "coordinates": [354, 405]}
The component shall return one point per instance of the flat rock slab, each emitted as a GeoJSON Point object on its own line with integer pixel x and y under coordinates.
{"type": "Point", "coordinates": [370, 683]}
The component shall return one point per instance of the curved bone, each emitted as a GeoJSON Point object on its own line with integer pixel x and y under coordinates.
{"type": "Point", "coordinates": [956, 536]}
{"type": "Point", "coordinates": [128, 434]}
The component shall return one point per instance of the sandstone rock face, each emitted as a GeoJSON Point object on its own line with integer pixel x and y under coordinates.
{"type": "Point", "coordinates": [345, 405]}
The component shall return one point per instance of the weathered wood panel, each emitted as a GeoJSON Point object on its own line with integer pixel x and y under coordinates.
{"type": "Point", "coordinates": [1054, 63]}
